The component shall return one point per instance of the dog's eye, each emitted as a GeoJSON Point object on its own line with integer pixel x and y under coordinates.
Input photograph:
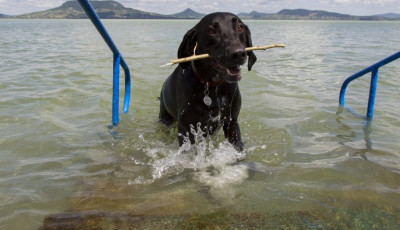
{"type": "Point", "coordinates": [240, 28]}
{"type": "Point", "coordinates": [211, 31]}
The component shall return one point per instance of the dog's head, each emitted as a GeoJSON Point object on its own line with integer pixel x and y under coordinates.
{"type": "Point", "coordinates": [224, 37]}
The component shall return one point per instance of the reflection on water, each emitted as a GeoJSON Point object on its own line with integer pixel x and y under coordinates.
{"type": "Point", "coordinates": [305, 165]}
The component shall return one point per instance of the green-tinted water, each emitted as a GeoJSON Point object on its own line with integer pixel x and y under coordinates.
{"type": "Point", "coordinates": [305, 165]}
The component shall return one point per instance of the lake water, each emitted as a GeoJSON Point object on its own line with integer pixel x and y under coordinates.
{"type": "Point", "coordinates": [305, 165]}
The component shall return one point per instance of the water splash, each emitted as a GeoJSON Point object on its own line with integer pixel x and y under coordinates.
{"type": "Point", "coordinates": [211, 160]}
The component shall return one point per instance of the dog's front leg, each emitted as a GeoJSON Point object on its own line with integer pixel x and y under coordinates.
{"type": "Point", "coordinates": [232, 132]}
{"type": "Point", "coordinates": [184, 135]}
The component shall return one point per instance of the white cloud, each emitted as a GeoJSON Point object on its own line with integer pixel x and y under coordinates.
{"type": "Point", "coordinates": [360, 2]}
{"type": "Point", "coordinates": [362, 7]}
{"type": "Point", "coordinates": [203, 6]}
{"type": "Point", "coordinates": [270, 6]}
{"type": "Point", "coordinates": [14, 7]}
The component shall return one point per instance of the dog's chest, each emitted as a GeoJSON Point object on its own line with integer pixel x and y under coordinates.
{"type": "Point", "coordinates": [212, 110]}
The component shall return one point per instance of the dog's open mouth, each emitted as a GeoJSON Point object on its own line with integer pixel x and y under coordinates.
{"type": "Point", "coordinates": [230, 74]}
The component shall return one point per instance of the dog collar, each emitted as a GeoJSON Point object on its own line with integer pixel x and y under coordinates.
{"type": "Point", "coordinates": [207, 83]}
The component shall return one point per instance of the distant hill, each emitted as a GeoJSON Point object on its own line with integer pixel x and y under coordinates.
{"type": "Point", "coordinates": [188, 14]}
{"type": "Point", "coordinates": [104, 9]}
{"type": "Point", "coordinates": [389, 16]}
{"type": "Point", "coordinates": [323, 15]}
{"type": "Point", "coordinates": [303, 14]}
{"type": "Point", "coordinates": [314, 14]}
{"type": "Point", "coordinates": [4, 16]}
{"type": "Point", "coordinates": [254, 15]}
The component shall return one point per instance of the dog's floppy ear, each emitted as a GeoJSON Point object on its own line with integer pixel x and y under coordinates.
{"type": "Point", "coordinates": [252, 57]}
{"type": "Point", "coordinates": [187, 46]}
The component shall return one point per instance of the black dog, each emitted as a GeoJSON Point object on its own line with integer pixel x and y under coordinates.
{"type": "Point", "coordinates": [204, 93]}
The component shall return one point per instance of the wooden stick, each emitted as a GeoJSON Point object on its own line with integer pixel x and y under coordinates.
{"type": "Point", "coordinates": [202, 56]}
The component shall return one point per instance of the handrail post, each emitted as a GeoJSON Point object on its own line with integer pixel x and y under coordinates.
{"type": "Point", "coordinates": [372, 93]}
{"type": "Point", "coordinates": [115, 98]}
{"type": "Point", "coordinates": [127, 89]}
{"type": "Point", "coordinates": [117, 61]}
{"type": "Point", "coordinates": [374, 69]}
{"type": "Point", "coordinates": [343, 92]}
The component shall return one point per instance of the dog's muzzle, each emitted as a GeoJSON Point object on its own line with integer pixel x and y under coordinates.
{"type": "Point", "coordinates": [230, 73]}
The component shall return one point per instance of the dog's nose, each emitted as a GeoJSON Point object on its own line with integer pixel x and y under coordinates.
{"type": "Point", "coordinates": [239, 55]}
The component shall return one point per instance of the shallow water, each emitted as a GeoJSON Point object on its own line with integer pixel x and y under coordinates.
{"type": "Point", "coordinates": [305, 164]}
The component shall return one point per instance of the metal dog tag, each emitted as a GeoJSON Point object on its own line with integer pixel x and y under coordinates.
{"type": "Point", "coordinates": [207, 100]}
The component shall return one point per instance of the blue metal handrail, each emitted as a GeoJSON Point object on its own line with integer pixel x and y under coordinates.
{"type": "Point", "coordinates": [374, 79]}
{"type": "Point", "coordinates": [117, 61]}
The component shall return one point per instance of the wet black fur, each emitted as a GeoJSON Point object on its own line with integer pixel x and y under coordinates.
{"type": "Point", "coordinates": [224, 37]}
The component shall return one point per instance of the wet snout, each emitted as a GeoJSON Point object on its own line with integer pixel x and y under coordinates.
{"type": "Point", "coordinates": [229, 64]}
{"type": "Point", "coordinates": [237, 56]}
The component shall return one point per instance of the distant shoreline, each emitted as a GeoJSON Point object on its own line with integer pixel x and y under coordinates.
{"type": "Point", "coordinates": [115, 10]}
{"type": "Point", "coordinates": [193, 19]}
{"type": "Point", "coordinates": [182, 19]}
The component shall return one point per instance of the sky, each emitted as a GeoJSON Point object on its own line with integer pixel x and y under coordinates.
{"type": "Point", "coordinates": [353, 7]}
